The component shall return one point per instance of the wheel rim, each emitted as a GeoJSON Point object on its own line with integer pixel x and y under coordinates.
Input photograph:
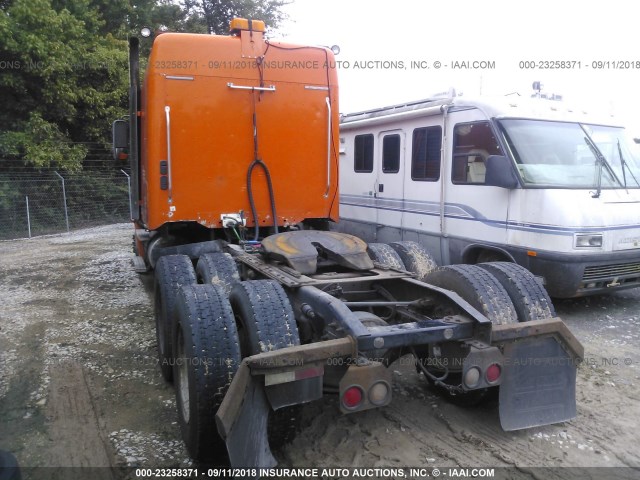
{"type": "Point", "coordinates": [183, 379]}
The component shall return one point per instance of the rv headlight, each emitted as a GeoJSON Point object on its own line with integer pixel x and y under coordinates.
{"type": "Point", "coordinates": [589, 240]}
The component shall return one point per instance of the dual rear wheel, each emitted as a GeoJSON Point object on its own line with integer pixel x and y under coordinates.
{"type": "Point", "coordinates": [205, 329]}
{"type": "Point", "coordinates": [505, 293]}
{"type": "Point", "coordinates": [173, 272]}
{"type": "Point", "coordinates": [213, 325]}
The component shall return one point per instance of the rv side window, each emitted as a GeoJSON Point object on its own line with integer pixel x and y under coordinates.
{"type": "Point", "coordinates": [363, 156]}
{"type": "Point", "coordinates": [391, 153]}
{"type": "Point", "coordinates": [472, 144]}
{"type": "Point", "coordinates": [425, 154]}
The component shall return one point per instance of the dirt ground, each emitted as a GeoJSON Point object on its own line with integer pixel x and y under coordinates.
{"type": "Point", "coordinates": [79, 383]}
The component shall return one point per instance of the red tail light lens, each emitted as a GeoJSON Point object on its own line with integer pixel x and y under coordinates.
{"type": "Point", "coordinates": [352, 397]}
{"type": "Point", "coordinates": [493, 373]}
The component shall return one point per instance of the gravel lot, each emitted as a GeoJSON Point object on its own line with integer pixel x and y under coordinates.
{"type": "Point", "coordinates": [79, 384]}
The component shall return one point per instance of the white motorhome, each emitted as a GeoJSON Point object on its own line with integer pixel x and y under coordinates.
{"type": "Point", "coordinates": [523, 180]}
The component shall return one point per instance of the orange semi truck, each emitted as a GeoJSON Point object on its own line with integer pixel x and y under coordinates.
{"type": "Point", "coordinates": [259, 306]}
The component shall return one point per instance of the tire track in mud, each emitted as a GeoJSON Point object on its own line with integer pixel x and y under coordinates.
{"type": "Point", "coordinates": [450, 430]}
{"type": "Point", "coordinates": [601, 430]}
{"type": "Point", "coordinates": [73, 423]}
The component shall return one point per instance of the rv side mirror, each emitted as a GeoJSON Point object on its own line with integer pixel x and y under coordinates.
{"type": "Point", "coordinates": [500, 172]}
{"type": "Point", "coordinates": [120, 131]}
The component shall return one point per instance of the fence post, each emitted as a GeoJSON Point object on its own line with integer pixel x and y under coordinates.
{"type": "Point", "coordinates": [28, 217]}
{"type": "Point", "coordinates": [129, 186]}
{"type": "Point", "coordinates": [64, 197]}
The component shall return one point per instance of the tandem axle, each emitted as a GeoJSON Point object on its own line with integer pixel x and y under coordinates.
{"type": "Point", "coordinates": [309, 325]}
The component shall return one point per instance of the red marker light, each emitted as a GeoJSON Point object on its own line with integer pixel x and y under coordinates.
{"type": "Point", "coordinates": [493, 373]}
{"type": "Point", "coordinates": [352, 397]}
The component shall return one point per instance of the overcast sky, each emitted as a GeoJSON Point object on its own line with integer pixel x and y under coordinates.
{"type": "Point", "coordinates": [503, 32]}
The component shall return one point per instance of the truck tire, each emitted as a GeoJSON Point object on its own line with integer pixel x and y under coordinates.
{"type": "Point", "coordinates": [171, 273]}
{"type": "Point", "coordinates": [207, 358]}
{"type": "Point", "coordinates": [529, 297]}
{"type": "Point", "coordinates": [479, 288]}
{"type": "Point", "coordinates": [483, 292]}
{"type": "Point", "coordinates": [384, 254]}
{"type": "Point", "coordinates": [217, 269]}
{"type": "Point", "coordinates": [415, 258]}
{"type": "Point", "coordinates": [266, 322]}
{"type": "Point", "coordinates": [265, 316]}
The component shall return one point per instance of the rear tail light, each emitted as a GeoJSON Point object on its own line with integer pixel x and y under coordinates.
{"type": "Point", "coordinates": [493, 373]}
{"type": "Point", "coordinates": [352, 397]}
{"type": "Point", "coordinates": [482, 368]}
{"type": "Point", "coordinates": [365, 386]}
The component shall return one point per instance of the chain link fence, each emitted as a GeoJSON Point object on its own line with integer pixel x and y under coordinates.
{"type": "Point", "coordinates": [50, 201]}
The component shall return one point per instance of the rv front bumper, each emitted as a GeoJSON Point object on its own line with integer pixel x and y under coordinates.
{"type": "Point", "coordinates": [568, 276]}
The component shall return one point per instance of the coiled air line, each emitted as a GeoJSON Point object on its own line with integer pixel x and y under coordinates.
{"type": "Point", "coordinates": [257, 161]}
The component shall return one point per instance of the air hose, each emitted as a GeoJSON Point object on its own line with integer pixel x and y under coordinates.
{"type": "Point", "coordinates": [258, 161]}
{"type": "Point", "coordinates": [252, 204]}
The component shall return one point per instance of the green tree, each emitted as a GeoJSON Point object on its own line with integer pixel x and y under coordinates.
{"type": "Point", "coordinates": [123, 18]}
{"type": "Point", "coordinates": [61, 82]}
{"type": "Point", "coordinates": [64, 72]}
{"type": "Point", "coordinates": [214, 16]}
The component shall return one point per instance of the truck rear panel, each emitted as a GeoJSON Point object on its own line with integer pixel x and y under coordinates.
{"type": "Point", "coordinates": [206, 90]}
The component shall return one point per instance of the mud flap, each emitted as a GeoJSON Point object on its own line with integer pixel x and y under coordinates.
{"type": "Point", "coordinates": [242, 422]}
{"type": "Point", "coordinates": [538, 384]}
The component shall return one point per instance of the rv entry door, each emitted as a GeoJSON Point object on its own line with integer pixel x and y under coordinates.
{"type": "Point", "coordinates": [389, 187]}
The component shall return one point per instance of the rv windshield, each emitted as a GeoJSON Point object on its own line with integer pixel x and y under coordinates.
{"type": "Point", "coordinates": [622, 154]}
{"type": "Point", "coordinates": [558, 154]}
